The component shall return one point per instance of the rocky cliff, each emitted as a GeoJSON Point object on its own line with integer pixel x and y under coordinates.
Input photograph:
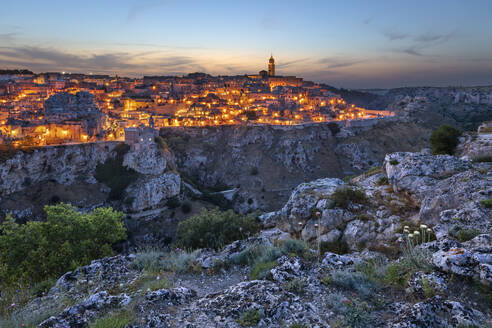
{"type": "Point", "coordinates": [32, 179]}
{"type": "Point", "coordinates": [418, 237]}
{"type": "Point", "coordinates": [465, 107]}
{"type": "Point", "coordinates": [264, 163]}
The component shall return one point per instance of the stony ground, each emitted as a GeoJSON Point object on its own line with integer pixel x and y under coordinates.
{"type": "Point", "coordinates": [416, 252]}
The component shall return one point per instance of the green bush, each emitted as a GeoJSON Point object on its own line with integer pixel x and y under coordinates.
{"type": "Point", "coordinates": [343, 196]}
{"type": "Point", "coordinates": [466, 234]}
{"type": "Point", "coordinates": [339, 247]}
{"type": "Point", "coordinates": [113, 174]}
{"type": "Point", "coordinates": [181, 262]}
{"type": "Point", "coordinates": [382, 181]}
{"type": "Point", "coordinates": [261, 270]}
{"type": "Point", "coordinates": [148, 260]}
{"type": "Point", "coordinates": [35, 251]}
{"type": "Point", "coordinates": [393, 162]}
{"type": "Point", "coordinates": [298, 325]}
{"type": "Point", "coordinates": [444, 140]}
{"type": "Point", "coordinates": [352, 280]}
{"type": "Point", "coordinates": [214, 229]}
{"type": "Point", "coordinates": [249, 318]}
{"type": "Point", "coordinates": [296, 286]}
{"type": "Point", "coordinates": [113, 320]}
{"type": "Point", "coordinates": [295, 247]}
{"type": "Point", "coordinates": [357, 316]}
{"type": "Point", "coordinates": [486, 203]}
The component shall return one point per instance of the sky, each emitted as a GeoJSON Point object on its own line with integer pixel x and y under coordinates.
{"type": "Point", "coordinates": [351, 44]}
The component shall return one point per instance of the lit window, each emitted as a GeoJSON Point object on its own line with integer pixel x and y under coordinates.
{"type": "Point", "coordinates": [150, 139]}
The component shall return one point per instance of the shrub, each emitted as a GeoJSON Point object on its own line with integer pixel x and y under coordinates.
{"type": "Point", "coordinates": [339, 247]}
{"type": "Point", "coordinates": [382, 181]}
{"type": "Point", "coordinates": [181, 262]}
{"type": "Point", "coordinates": [296, 286]}
{"type": "Point", "coordinates": [295, 247]}
{"type": "Point", "coordinates": [357, 316]}
{"type": "Point", "coordinates": [444, 140]}
{"type": "Point", "coordinates": [254, 171]}
{"type": "Point", "coordinates": [393, 162]}
{"type": "Point", "coordinates": [113, 320]}
{"type": "Point", "coordinates": [257, 253]}
{"type": "Point", "coordinates": [173, 202]}
{"type": "Point", "coordinates": [35, 251]}
{"type": "Point", "coordinates": [343, 196]}
{"type": "Point", "coordinates": [249, 318]}
{"type": "Point", "coordinates": [486, 203]}
{"type": "Point", "coordinates": [298, 325]}
{"type": "Point", "coordinates": [466, 234]}
{"type": "Point", "coordinates": [113, 174]}
{"type": "Point", "coordinates": [352, 280]}
{"type": "Point", "coordinates": [148, 260]}
{"type": "Point", "coordinates": [214, 229]}
{"type": "Point", "coordinates": [261, 270]}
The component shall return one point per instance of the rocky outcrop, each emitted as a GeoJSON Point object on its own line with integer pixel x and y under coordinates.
{"type": "Point", "coordinates": [54, 169]}
{"type": "Point", "coordinates": [63, 164]}
{"type": "Point", "coordinates": [267, 162]}
{"type": "Point", "coordinates": [449, 190]}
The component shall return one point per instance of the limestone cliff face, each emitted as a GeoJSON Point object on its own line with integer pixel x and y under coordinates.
{"type": "Point", "coordinates": [62, 164]}
{"type": "Point", "coordinates": [30, 180]}
{"type": "Point", "coordinates": [265, 163]}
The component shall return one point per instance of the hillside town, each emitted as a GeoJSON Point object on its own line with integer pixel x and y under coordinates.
{"type": "Point", "coordinates": [53, 108]}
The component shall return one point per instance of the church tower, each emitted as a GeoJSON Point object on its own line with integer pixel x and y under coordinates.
{"type": "Point", "coordinates": [271, 66]}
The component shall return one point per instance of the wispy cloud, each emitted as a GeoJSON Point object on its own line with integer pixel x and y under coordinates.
{"type": "Point", "coordinates": [394, 35]}
{"type": "Point", "coordinates": [53, 59]}
{"type": "Point", "coordinates": [8, 37]}
{"type": "Point", "coordinates": [335, 62]}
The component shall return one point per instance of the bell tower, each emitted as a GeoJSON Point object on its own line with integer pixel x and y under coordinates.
{"type": "Point", "coordinates": [271, 66]}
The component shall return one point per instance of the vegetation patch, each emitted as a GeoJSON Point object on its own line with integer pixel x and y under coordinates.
{"type": "Point", "coordinates": [36, 251]}
{"type": "Point", "coordinates": [444, 140]}
{"type": "Point", "coordinates": [486, 203]}
{"type": "Point", "coordinates": [249, 318]}
{"type": "Point", "coordinates": [394, 162]}
{"type": "Point", "coordinates": [463, 234]}
{"type": "Point", "coordinates": [382, 181]}
{"type": "Point", "coordinates": [339, 247]}
{"type": "Point", "coordinates": [214, 229]}
{"type": "Point", "coordinates": [113, 320]}
{"type": "Point", "coordinates": [113, 174]}
{"type": "Point", "coordinates": [343, 196]}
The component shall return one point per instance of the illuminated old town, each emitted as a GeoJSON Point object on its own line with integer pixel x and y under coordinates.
{"type": "Point", "coordinates": [53, 108]}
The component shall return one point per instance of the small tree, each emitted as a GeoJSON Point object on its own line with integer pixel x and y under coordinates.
{"type": "Point", "coordinates": [444, 140]}
{"type": "Point", "coordinates": [37, 250]}
{"type": "Point", "coordinates": [214, 229]}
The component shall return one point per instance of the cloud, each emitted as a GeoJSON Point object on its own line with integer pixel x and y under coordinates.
{"type": "Point", "coordinates": [432, 38]}
{"type": "Point", "coordinates": [291, 63]}
{"type": "Point", "coordinates": [8, 37]}
{"type": "Point", "coordinates": [412, 51]}
{"type": "Point", "coordinates": [420, 43]}
{"type": "Point", "coordinates": [333, 62]}
{"type": "Point", "coordinates": [52, 59]}
{"type": "Point", "coordinates": [394, 35]}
